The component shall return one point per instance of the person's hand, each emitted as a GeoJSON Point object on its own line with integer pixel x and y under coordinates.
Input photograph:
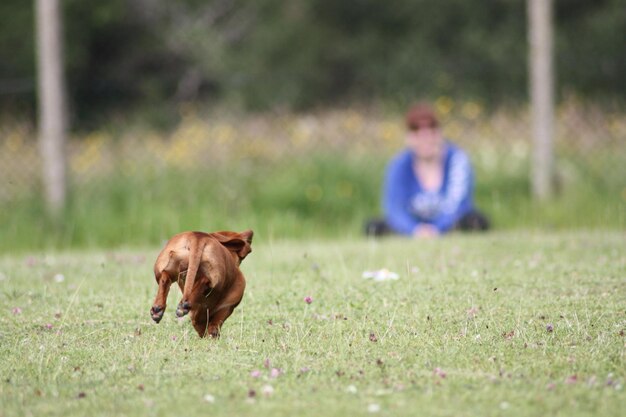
{"type": "Point", "coordinates": [425, 231]}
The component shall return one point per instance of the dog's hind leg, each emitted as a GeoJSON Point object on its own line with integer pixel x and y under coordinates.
{"type": "Point", "coordinates": [160, 302]}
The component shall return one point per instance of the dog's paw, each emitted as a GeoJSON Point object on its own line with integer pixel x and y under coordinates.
{"type": "Point", "coordinates": [183, 308]}
{"type": "Point", "coordinates": [156, 312]}
{"type": "Point", "coordinates": [214, 333]}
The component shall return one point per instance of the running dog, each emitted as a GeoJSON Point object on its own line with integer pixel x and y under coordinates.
{"type": "Point", "coordinates": [206, 268]}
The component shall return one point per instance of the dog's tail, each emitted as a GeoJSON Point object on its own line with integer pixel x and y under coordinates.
{"type": "Point", "coordinates": [195, 256]}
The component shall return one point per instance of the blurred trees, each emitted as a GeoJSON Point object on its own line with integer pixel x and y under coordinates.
{"type": "Point", "coordinates": [302, 53]}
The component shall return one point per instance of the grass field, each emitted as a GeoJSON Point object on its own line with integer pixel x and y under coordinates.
{"type": "Point", "coordinates": [513, 323]}
{"type": "Point", "coordinates": [298, 176]}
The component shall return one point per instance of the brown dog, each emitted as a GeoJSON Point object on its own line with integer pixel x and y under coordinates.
{"type": "Point", "coordinates": [206, 267]}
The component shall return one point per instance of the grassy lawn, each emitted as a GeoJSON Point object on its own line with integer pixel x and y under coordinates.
{"type": "Point", "coordinates": [511, 323]}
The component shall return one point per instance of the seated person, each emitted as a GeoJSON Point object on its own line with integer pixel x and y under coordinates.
{"type": "Point", "coordinates": [428, 186]}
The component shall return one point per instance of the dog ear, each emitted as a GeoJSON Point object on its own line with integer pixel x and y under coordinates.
{"type": "Point", "coordinates": [238, 243]}
{"type": "Point", "coordinates": [247, 235]}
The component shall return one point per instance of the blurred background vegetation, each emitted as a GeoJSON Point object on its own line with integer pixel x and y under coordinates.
{"type": "Point", "coordinates": [281, 115]}
{"type": "Point", "coordinates": [300, 54]}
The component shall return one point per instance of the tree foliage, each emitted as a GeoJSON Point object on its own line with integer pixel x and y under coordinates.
{"type": "Point", "coordinates": [302, 53]}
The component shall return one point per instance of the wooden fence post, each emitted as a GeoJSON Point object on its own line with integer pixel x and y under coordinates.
{"type": "Point", "coordinates": [541, 76]}
{"type": "Point", "coordinates": [52, 106]}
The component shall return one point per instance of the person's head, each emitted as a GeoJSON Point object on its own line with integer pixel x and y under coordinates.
{"type": "Point", "coordinates": [424, 135]}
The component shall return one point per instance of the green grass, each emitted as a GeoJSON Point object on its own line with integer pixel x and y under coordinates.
{"type": "Point", "coordinates": [464, 331]}
{"type": "Point", "coordinates": [320, 195]}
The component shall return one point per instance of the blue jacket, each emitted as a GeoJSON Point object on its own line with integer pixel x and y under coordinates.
{"type": "Point", "coordinates": [406, 204]}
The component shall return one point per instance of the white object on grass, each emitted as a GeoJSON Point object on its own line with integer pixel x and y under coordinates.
{"type": "Point", "coordinates": [381, 275]}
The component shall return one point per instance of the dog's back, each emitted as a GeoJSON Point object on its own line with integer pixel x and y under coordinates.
{"type": "Point", "coordinates": [209, 250]}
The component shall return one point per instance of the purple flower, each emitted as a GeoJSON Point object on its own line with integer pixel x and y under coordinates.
{"type": "Point", "coordinates": [308, 299]}
{"type": "Point", "coordinates": [255, 374]}
{"type": "Point", "coordinates": [266, 363]}
{"type": "Point", "coordinates": [549, 327]}
{"type": "Point", "coordinates": [439, 372]}
{"type": "Point", "coordinates": [16, 310]}
{"type": "Point", "coordinates": [275, 372]}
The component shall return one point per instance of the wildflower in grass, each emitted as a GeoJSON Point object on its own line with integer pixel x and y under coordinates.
{"type": "Point", "coordinates": [609, 380]}
{"type": "Point", "coordinates": [439, 372]}
{"type": "Point", "coordinates": [276, 372]}
{"type": "Point", "coordinates": [255, 373]}
{"type": "Point", "coordinates": [266, 363]}
{"type": "Point", "coordinates": [16, 311]}
{"type": "Point", "coordinates": [304, 370]}
{"type": "Point", "coordinates": [48, 326]}
{"type": "Point", "coordinates": [59, 278]}
{"type": "Point", "coordinates": [351, 389]}
{"type": "Point", "coordinates": [572, 379]}
{"type": "Point", "coordinates": [209, 398]}
{"type": "Point", "coordinates": [373, 337]}
{"type": "Point", "coordinates": [308, 299]}
{"type": "Point", "coordinates": [549, 328]}
{"type": "Point", "coordinates": [174, 338]}
{"type": "Point", "coordinates": [373, 408]}
{"type": "Point", "coordinates": [472, 312]}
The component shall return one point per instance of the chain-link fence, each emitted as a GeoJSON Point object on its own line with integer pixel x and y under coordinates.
{"type": "Point", "coordinates": [589, 140]}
